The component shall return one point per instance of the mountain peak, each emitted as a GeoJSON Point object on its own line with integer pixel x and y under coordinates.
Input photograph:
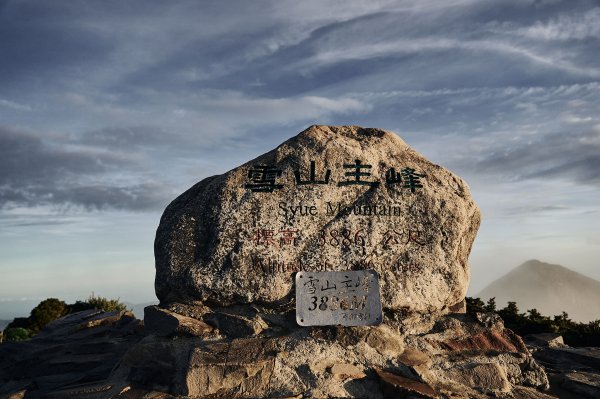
{"type": "Point", "coordinates": [549, 288]}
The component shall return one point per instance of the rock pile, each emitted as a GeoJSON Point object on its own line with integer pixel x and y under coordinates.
{"type": "Point", "coordinates": [95, 355]}
{"type": "Point", "coordinates": [572, 372]}
{"type": "Point", "coordinates": [227, 250]}
{"type": "Point", "coordinates": [72, 357]}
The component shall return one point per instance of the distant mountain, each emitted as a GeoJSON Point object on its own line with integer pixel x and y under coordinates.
{"type": "Point", "coordinates": [548, 288]}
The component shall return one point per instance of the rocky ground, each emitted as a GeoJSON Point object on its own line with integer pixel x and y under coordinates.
{"type": "Point", "coordinates": [572, 372]}
{"type": "Point", "coordinates": [72, 357]}
{"type": "Point", "coordinates": [96, 354]}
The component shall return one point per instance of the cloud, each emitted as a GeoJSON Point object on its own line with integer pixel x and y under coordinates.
{"type": "Point", "coordinates": [571, 156]}
{"type": "Point", "coordinates": [138, 168]}
{"type": "Point", "coordinates": [138, 94]}
{"type": "Point", "coordinates": [138, 197]}
{"type": "Point", "coordinates": [25, 157]}
{"type": "Point", "coordinates": [421, 46]}
{"type": "Point", "coordinates": [15, 106]}
{"type": "Point", "coordinates": [45, 40]}
{"type": "Point", "coordinates": [531, 209]}
{"type": "Point", "coordinates": [124, 138]}
{"type": "Point", "coordinates": [205, 118]}
{"type": "Point", "coordinates": [36, 173]}
{"type": "Point", "coordinates": [275, 110]}
{"type": "Point", "coordinates": [575, 26]}
{"type": "Point", "coordinates": [131, 64]}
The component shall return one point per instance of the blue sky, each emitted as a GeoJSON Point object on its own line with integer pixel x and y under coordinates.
{"type": "Point", "coordinates": [109, 110]}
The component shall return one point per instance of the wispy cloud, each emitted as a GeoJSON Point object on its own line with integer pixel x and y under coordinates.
{"type": "Point", "coordinates": [131, 92]}
{"type": "Point", "coordinates": [14, 105]}
{"type": "Point", "coordinates": [33, 173]}
{"type": "Point", "coordinates": [573, 26]}
{"type": "Point", "coordinates": [569, 156]}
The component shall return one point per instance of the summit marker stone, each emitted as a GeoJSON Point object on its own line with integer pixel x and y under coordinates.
{"type": "Point", "coordinates": [365, 239]}
{"type": "Point", "coordinates": [333, 198]}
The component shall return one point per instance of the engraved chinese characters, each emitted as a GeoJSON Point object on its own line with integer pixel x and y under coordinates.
{"type": "Point", "coordinates": [346, 298]}
{"type": "Point", "coordinates": [330, 199]}
{"type": "Point", "coordinates": [263, 177]}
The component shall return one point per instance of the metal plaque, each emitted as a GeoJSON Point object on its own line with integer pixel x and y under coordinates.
{"type": "Point", "coordinates": [347, 298]}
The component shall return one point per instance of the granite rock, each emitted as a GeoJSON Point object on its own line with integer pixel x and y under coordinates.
{"type": "Point", "coordinates": [550, 340]}
{"type": "Point", "coordinates": [414, 357]}
{"type": "Point", "coordinates": [73, 356]}
{"type": "Point", "coordinates": [236, 326]}
{"type": "Point", "coordinates": [488, 377]}
{"type": "Point", "coordinates": [385, 341]}
{"type": "Point", "coordinates": [345, 371]}
{"type": "Point", "coordinates": [397, 386]}
{"type": "Point", "coordinates": [331, 198]}
{"type": "Point", "coordinates": [585, 384]}
{"type": "Point", "coordinates": [164, 323]}
{"type": "Point", "coordinates": [100, 356]}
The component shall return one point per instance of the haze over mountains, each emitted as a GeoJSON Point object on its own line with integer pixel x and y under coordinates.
{"type": "Point", "coordinates": [22, 308]}
{"type": "Point", "coordinates": [548, 288]}
{"type": "Point", "coordinates": [551, 289]}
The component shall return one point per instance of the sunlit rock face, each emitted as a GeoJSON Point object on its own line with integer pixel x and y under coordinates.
{"type": "Point", "coordinates": [330, 198]}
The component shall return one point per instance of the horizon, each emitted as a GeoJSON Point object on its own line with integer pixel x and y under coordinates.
{"type": "Point", "coordinates": [22, 306]}
{"type": "Point", "coordinates": [108, 113]}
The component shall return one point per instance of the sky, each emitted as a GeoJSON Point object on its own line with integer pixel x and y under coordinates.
{"type": "Point", "coordinates": [109, 110]}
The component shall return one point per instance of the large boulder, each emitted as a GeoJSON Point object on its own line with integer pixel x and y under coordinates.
{"type": "Point", "coordinates": [331, 198]}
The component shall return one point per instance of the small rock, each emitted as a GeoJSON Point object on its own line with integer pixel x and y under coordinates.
{"type": "Point", "coordinates": [459, 307]}
{"type": "Point", "coordinates": [163, 323]}
{"type": "Point", "coordinates": [414, 357]}
{"type": "Point", "coordinates": [586, 384]}
{"type": "Point", "coordinates": [491, 339]}
{"type": "Point", "coordinates": [69, 323]}
{"type": "Point", "coordinates": [486, 377]}
{"type": "Point", "coordinates": [385, 341]}
{"type": "Point", "coordinates": [490, 320]}
{"type": "Point", "coordinates": [17, 395]}
{"type": "Point", "coordinates": [533, 375]}
{"type": "Point", "coordinates": [137, 393]}
{"type": "Point", "coordinates": [106, 318]}
{"type": "Point", "coordinates": [15, 387]}
{"type": "Point", "coordinates": [529, 393]}
{"type": "Point", "coordinates": [86, 390]}
{"type": "Point", "coordinates": [395, 386]}
{"type": "Point", "coordinates": [319, 366]}
{"type": "Point", "coordinates": [345, 371]}
{"type": "Point", "coordinates": [245, 365]}
{"type": "Point", "coordinates": [350, 336]}
{"type": "Point", "coordinates": [236, 326]}
{"type": "Point", "coordinates": [550, 340]}
{"type": "Point", "coordinates": [584, 356]}
{"type": "Point", "coordinates": [193, 309]}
